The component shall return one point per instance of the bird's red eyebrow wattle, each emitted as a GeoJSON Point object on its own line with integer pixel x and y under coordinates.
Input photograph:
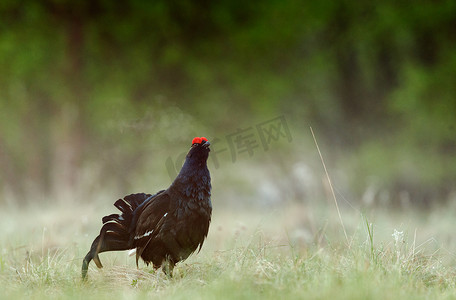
{"type": "Point", "coordinates": [196, 140]}
{"type": "Point", "coordinates": [204, 139]}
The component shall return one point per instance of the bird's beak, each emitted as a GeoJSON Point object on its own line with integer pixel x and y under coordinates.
{"type": "Point", "coordinates": [207, 144]}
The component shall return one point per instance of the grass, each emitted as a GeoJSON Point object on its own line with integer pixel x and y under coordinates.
{"type": "Point", "coordinates": [292, 252]}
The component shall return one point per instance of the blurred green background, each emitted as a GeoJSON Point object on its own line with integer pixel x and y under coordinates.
{"type": "Point", "coordinates": [100, 96]}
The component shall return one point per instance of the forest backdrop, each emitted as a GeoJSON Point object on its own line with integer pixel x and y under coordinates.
{"type": "Point", "coordinates": [98, 95]}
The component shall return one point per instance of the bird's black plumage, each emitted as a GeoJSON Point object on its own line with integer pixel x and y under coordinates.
{"type": "Point", "coordinates": [164, 228]}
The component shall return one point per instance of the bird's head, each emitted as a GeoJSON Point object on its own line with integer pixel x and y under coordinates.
{"type": "Point", "coordinates": [200, 149]}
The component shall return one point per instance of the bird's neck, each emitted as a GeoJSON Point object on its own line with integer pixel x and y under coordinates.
{"type": "Point", "coordinates": [194, 179]}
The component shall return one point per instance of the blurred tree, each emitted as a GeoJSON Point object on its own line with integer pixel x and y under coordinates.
{"type": "Point", "coordinates": [83, 78]}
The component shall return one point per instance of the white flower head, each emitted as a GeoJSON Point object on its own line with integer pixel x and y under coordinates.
{"type": "Point", "coordinates": [398, 236]}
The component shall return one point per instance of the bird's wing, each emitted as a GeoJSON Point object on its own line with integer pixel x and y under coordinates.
{"type": "Point", "coordinates": [151, 219]}
{"type": "Point", "coordinates": [138, 202]}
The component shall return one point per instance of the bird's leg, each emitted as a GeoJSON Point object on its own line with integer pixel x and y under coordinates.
{"type": "Point", "coordinates": [168, 266]}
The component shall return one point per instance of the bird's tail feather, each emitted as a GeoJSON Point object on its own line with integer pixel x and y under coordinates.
{"type": "Point", "coordinates": [116, 230]}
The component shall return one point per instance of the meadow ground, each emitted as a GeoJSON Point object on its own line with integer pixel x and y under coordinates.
{"type": "Point", "coordinates": [288, 252]}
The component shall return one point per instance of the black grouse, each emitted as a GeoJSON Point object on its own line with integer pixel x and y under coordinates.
{"type": "Point", "coordinates": [164, 228]}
